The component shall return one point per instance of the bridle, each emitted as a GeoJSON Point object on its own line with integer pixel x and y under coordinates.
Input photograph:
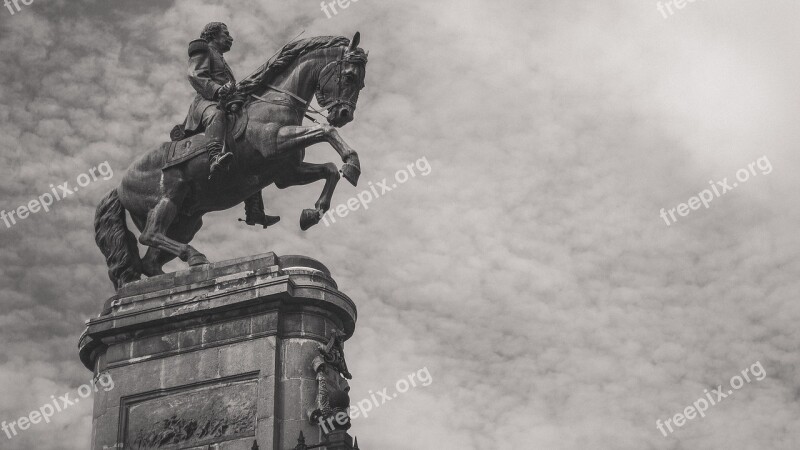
{"type": "Point", "coordinates": [337, 98]}
{"type": "Point", "coordinates": [324, 102]}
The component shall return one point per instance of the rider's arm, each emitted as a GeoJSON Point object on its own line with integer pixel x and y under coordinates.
{"type": "Point", "coordinates": [200, 70]}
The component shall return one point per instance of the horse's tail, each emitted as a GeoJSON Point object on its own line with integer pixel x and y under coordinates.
{"type": "Point", "coordinates": [117, 243]}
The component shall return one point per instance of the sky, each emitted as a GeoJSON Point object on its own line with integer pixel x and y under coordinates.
{"type": "Point", "coordinates": [528, 269]}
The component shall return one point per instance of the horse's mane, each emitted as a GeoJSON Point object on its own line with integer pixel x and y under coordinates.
{"type": "Point", "coordinates": [288, 55]}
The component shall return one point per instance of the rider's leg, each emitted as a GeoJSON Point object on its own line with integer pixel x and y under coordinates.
{"type": "Point", "coordinates": [214, 122]}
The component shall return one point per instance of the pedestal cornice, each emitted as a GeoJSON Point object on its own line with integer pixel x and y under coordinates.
{"type": "Point", "coordinates": [236, 287]}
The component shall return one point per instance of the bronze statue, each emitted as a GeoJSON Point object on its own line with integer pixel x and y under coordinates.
{"type": "Point", "coordinates": [167, 190]}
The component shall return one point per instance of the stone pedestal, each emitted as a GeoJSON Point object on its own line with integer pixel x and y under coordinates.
{"type": "Point", "coordinates": [218, 356]}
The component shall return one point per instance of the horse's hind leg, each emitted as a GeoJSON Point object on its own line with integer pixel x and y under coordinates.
{"type": "Point", "coordinates": [151, 262]}
{"type": "Point", "coordinates": [182, 230]}
{"type": "Point", "coordinates": [154, 260]}
{"type": "Point", "coordinates": [306, 173]}
{"type": "Point", "coordinates": [159, 221]}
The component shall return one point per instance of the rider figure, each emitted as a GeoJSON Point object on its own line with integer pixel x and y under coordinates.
{"type": "Point", "coordinates": [214, 82]}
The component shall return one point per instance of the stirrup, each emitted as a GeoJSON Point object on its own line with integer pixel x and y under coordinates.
{"type": "Point", "coordinates": [265, 220]}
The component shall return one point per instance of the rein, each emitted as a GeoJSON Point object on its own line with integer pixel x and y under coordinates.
{"type": "Point", "coordinates": [306, 104]}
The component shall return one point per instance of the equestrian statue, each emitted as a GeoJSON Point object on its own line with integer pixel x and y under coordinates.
{"type": "Point", "coordinates": [237, 139]}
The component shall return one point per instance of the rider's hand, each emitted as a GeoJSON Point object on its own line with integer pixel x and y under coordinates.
{"type": "Point", "coordinates": [225, 90]}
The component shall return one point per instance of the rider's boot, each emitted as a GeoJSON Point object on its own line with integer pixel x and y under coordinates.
{"type": "Point", "coordinates": [219, 157]}
{"type": "Point", "coordinates": [254, 212]}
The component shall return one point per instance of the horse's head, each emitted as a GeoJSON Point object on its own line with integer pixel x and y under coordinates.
{"type": "Point", "coordinates": [341, 81]}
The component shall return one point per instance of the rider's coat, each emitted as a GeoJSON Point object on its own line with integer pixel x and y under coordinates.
{"type": "Point", "coordinates": [208, 72]}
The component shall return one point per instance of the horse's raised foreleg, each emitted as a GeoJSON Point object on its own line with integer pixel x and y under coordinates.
{"type": "Point", "coordinates": [155, 230]}
{"type": "Point", "coordinates": [306, 173]}
{"type": "Point", "coordinates": [291, 137]}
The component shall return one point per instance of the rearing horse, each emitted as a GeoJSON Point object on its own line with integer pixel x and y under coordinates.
{"type": "Point", "coordinates": [167, 205]}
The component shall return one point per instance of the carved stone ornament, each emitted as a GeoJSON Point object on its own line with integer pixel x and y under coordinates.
{"type": "Point", "coordinates": [333, 401]}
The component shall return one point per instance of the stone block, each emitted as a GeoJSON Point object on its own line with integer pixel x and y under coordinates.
{"type": "Point", "coordinates": [297, 399]}
{"type": "Point", "coordinates": [264, 323]}
{"type": "Point", "coordinates": [231, 329]}
{"type": "Point", "coordinates": [193, 275]}
{"type": "Point", "coordinates": [104, 398]}
{"type": "Point", "coordinates": [291, 400]}
{"type": "Point", "coordinates": [118, 352]}
{"type": "Point", "coordinates": [266, 436]}
{"type": "Point", "coordinates": [339, 440]}
{"type": "Point", "coordinates": [191, 367]}
{"type": "Point", "coordinates": [314, 324]}
{"type": "Point", "coordinates": [154, 345]}
{"type": "Point", "coordinates": [136, 378]}
{"type": "Point", "coordinates": [291, 430]}
{"type": "Point", "coordinates": [105, 429]}
{"type": "Point", "coordinates": [191, 338]}
{"type": "Point", "coordinates": [292, 324]}
{"type": "Point", "coordinates": [297, 357]}
{"type": "Point", "coordinates": [147, 285]}
{"type": "Point", "coordinates": [244, 357]}
{"type": "Point", "coordinates": [266, 401]}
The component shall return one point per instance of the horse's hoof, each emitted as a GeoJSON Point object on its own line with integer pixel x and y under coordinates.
{"type": "Point", "coordinates": [309, 218]}
{"type": "Point", "coordinates": [198, 259]}
{"type": "Point", "coordinates": [351, 172]}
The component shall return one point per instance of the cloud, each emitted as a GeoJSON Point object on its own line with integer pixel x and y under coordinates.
{"type": "Point", "coordinates": [529, 271]}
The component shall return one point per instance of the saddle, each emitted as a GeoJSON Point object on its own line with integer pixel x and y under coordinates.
{"type": "Point", "coordinates": [177, 152]}
{"type": "Point", "coordinates": [185, 146]}
{"type": "Point", "coordinates": [237, 125]}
